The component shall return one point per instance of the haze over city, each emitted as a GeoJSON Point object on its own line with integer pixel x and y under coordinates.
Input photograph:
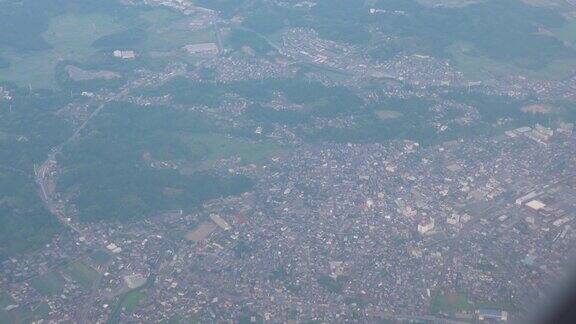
{"type": "Point", "coordinates": [286, 161]}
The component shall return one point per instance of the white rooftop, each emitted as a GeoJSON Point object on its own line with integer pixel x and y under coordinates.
{"type": "Point", "coordinates": [536, 204]}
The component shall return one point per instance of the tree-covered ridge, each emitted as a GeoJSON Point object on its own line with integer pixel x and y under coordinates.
{"type": "Point", "coordinates": [110, 177]}
{"type": "Point", "coordinates": [507, 31]}
{"type": "Point", "coordinates": [28, 129]}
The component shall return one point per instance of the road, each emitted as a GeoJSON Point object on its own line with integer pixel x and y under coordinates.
{"type": "Point", "coordinates": [44, 171]}
{"type": "Point", "coordinates": [44, 176]}
{"type": "Point", "coordinates": [218, 37]}
{"type": "Point", "coordinates": [94, 293]}
{"type": "Point", "coordinates": [427, 319]}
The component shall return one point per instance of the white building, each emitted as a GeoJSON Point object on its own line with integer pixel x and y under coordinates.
{"type": "Point", "coordinates": [202, 48]}
{"type": "Point", "coordinates": [134, 281]}
{"type": "Point", "coordinates": [114, 248]}
{"type": "Point", "coordinates": [535, 204]}
{"type": "Point", "coordinates": [125, 55]}
{"type": "Point", "coordinates": [220, 222]}
{"type": "Point", "coordinates": [426, 225]}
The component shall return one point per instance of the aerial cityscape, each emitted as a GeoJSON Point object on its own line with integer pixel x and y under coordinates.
{"type": "Point", "coordinates": [285, 161]}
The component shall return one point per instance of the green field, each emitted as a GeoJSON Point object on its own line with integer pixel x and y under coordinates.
{"type": "Point", "coordinates": [70, 36]}
{"type": "Point", "coordinates": [21, 314]}
{"type": "Point", "coordinates": [81, 273]}
{"type": "Point", "coordinates": [212, 147]}
{"type": "Point", "coordinates": [448, 3]}
{"type": "Point", "coordinates": [99, 257]}
{"type": "Point", "coordinates": [449, 303]}
{"type": "Point", "coordinates": [179, 320]}
{"type": "Point", "coordinates": [167, 32]}
{"type": "Point", "coordinates": [132, 299]}
{"type": "Point", "coordinates": [126, 303]}
{"type": "Point", "coordinates": [507, 305]}
{"type": "Point", "coordinates": [478, 67]}
{"type": "Point", "coordinates": [48, 284]}
{"type": "Point", "coordinates": [547, 3]}
{"type": "Point", "coordinates": [566, 33]}
{"type": "Point", "coordinates": [388, 114]}
{"type": "Point", "coordinates": [5, 300]}
{"type": "Point", "coordinates": [41, 311]}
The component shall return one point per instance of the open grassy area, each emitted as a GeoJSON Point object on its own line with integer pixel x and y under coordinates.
{"type": "Point", "coordinates": [81, 273]}
{"type": "Point", "coordinates": [507, 305]}
{"type": "Point", "coordinates": [547, 3]}
{"type": "Point", "coordinates": [169, 31]}
{"type": "Point", "coordinates": [17, 315]}
{"type": "Point", "coordinates": [50, 283]}
{"type": "Point", "coordinates": [41, 311]}
{"type": "Point", "coordinates": [478, 67]}
{"type": "Point", "coordinates": [448, 3]}
{"type": "Point", "coordinates": [100, 257]}
{"type": "Point", "coordinates": [212, 147]}
{"type": "Point", "coordinates": [132, 300]}
{"type": "Point", "coordinates": [177, 319]}
{"type": "Point", "coordinates": [20, 314]}
{"type": "Point", "coordinates": [449, 303]}
{"type": "Point", "coordinates": [126, 303]}
{"type": "Point", "coordinates": [566, 33]}
{"type": "Point", "coordinates": [388, 114]}
{"type": "Point", "coordinates": [70, 36]}
{"type": "Point", "coordinates": [5, 300]}
{"type": "Point", "coordinates": [201, 232]}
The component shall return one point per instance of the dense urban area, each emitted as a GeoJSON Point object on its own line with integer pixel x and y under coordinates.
{"type": "Point", "coordinates": [285, 161]}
